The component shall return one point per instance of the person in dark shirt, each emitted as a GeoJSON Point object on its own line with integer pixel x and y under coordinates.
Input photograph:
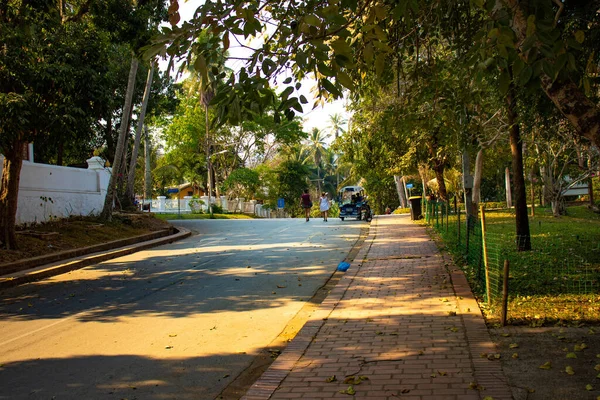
{"type": "Point", "coordinates": [306, 204]}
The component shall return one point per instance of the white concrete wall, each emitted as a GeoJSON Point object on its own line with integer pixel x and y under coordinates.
{"type": "Point", "coordinates": [68, 191]}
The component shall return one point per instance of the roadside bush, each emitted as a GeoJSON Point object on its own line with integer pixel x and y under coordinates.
{"type": "Point", "coordinates": [196, 205]}
{"type": "Point", "coordinates": [216, 209]}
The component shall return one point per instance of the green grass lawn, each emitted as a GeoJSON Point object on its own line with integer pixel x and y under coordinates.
{"type": "Point", "coordinates": [202, 216]}
{"type": "Point", "coordinates": [559, 280]}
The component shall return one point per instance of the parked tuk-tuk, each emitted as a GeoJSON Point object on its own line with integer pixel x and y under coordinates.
{"type": "Point", "coordinates": [353, 203]}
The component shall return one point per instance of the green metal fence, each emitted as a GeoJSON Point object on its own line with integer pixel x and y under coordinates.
{"type": "Point", "coordinates": [559, 278]}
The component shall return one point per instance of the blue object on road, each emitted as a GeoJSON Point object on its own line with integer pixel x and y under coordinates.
{"type": "Point", "coordinates": [343, 266]}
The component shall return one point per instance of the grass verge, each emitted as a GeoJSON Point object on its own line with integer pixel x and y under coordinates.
{"type": "Point", "coordinates": [557, 281]}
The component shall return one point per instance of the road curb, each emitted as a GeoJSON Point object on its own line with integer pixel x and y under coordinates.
{"type": "Point", "coordinates": [86, 256]}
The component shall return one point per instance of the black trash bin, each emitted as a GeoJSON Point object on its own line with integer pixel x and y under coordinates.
{"type": "Point", "coordinates": [415, 208]}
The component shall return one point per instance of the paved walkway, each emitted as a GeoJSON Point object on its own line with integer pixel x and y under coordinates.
{"type": "Point", "coordinates": [401, 324]}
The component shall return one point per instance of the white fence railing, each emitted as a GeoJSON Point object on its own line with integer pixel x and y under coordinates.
{"type": "Point", "coordinates": [188, 204]}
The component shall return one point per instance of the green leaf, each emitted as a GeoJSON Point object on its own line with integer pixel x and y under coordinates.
{"type": "Point", "coordinates": [504, 83]}
{"type": "Point", "coordinates": [226, 41]}
{"type": "Point", "coordinates": [502, 51]}
{"type": "Point", "coordinates": [287, 81]}
{"type": "Point", "coordinates": [528, 43]}
{"type": "Point", "coordinates": [296, 106]}
{"type": "Point", "coordinates": [368, 53]}
{"type": "Point", "coordinates": [312, 20]}
{"type": "Point", "coordinates": [579, 36]}
{"type": "Point", "coordinates": [303, 99]}
{"type": "Point", "coordinates": [345, 80]}
{"type": "Point", "coordinates": [200, 66]}
{"type": "Point", "coordinates": [325, 70]}
{"type": "Point", "coordinates": [380, 64]}
{"type": "Point", "coordinates": [530, 25]}
{"type": "Point", "coordinates": [340, 46]}
{"type": "Point", "coordinates": [285, 94]}
{"type": "Point", "coordinates": [330, 87]}
{"type": "Point", "coordinates": [518, 66]}
{"type": "Point", "coordinates": [561, 61]}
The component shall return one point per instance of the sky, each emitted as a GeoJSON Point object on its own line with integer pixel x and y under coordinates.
{"type": "Point", "coordinates": [313, 118]}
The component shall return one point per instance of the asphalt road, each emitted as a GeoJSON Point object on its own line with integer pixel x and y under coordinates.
{"type": "Point", "coordinates": [180, 321]}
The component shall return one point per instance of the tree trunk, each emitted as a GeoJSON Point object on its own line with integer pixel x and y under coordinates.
{"type": "Point", "coordinates": [208, 162]}
{"type": "Point", "coordinates": [148, 174]}
{"type": "Point", "coordinates": [60, 152]}
{"type": "Point", "coordinates": [477, 179]}
{"type": "Point", "coordinates": [110, 141]}
{"type": "Point", "coordinates": [129, 193]}
{"type": "Point", "coordinates": [112, 183]}
{"type": "Point", "coordinates": [400, 190]}
{"type": "Point", "coordinates": [9, 195]}
{"type": "Point", "coordinates": [571, 101]}
{"type": "Point", "coordinates": [468, 186]}
{"type": "Point", "coordinates": [507, 186]}
{"type": "Point", "coordinates": [516, 147]}
{"type": "Point", "coordinates": [439, 175]}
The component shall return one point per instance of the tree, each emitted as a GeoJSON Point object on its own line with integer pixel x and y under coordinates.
{"type": "Point", "coordinates": [130, 194]}
{"type": "Point", "coordinates": [316, 146]}
{"type": "Point", "coordinates": [242, 182]}
{"type": "Point", "coordinates": [336, 124]}
{"type": "Point", "coordinates": [40, 93]}
{"type": "Point", "coordinates": [106, 213]}
{"type": "Point", "coordinates": [292, 178]}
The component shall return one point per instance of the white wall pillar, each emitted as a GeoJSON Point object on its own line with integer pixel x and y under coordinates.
{"type": "Point", "coordinates": [161, 203]}
{"type": "Point", "coordinates": [186, 202]}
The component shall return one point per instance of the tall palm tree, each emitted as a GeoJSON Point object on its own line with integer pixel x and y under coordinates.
{"type": "Point", "coordinates": [317, 146]}
{"type": "Point", "coordinates": [336, 124]}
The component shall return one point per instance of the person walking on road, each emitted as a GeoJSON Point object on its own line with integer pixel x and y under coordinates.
{"type": "Point", "coordinates": [306, 204]}
{"type": "Point", "coordinates": [324, 206]}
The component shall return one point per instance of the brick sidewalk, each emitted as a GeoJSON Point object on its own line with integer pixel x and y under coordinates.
{"type": "Point", "coordinates": [397, 318]}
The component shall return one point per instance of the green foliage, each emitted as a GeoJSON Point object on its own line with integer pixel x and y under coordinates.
{"type": "Point", "coordinates": [555, 282]}
{"type": "Point", "coordinates": [196, 205]}
{"type": "Point", "coordinates": [242, 182]}
{"type": "Point", "coordinates": [291, 182]}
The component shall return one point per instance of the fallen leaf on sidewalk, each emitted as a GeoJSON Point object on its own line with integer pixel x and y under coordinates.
{"type": "Point", "coordinates": [515, 356]}
{"type": "Point", "coordinates": [571, 355]}
{"type": "Point", "coordinates": [331, 378]}
{"type": "Point", "coordinates": [281, 286]}
{"type": "Point", "coordinates": [513, 345]}
{"type": "Point", "coordinates": [355, 380]}
{"type": "Point", "coordinates": [349, 391]}
{"type": "Point", "coordinates": [569, 370]}
{"type": "Point", "coordinates": [173, 335]}
{"type": "Point", "coordinates": [547, 365]}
